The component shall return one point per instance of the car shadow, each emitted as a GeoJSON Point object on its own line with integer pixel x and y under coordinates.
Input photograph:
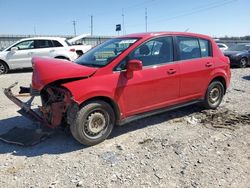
{"type": "Point", "coordinates": [155, 119]}
{"type": "Point", "coordinates": [61, 141]}
{"type": "Point", "coordinates": [246, 77]}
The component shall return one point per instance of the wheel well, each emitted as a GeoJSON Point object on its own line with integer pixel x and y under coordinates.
{"type": "Point", "coordinates": [5, 64]}
{"type": "Point", "coordinates": [222, 80]}
{"type": "Point", "coordinates": [109, 101]}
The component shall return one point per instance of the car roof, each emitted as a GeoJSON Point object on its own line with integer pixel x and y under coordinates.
{"type": "Point", "coordinates": [153, 34]}
{"type": "Point", "coordinates": [43, 38]}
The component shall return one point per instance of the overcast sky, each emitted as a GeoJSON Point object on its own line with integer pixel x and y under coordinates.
{"type": "Point", "coordinates": [52, 17]}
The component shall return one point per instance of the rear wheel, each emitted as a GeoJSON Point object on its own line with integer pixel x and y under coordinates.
{"type": "Point", "coordinates": [3, 68]}
{"type": "Point", "coordinates": [214, 95]}
{"type": "Point", "coordinates": [243, 63]}
{"type": "Point", "coordinates": [94, 123]}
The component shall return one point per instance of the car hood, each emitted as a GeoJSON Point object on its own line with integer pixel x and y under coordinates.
{"type": "Point", "coordinates": [49, 70]}
{"type": "Point", "coordinates": [74, 39]}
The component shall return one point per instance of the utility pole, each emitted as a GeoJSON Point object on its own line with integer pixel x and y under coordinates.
{"type": "Point", "coordinates": [34, 29]}
{"type": "Point", "coordinates": [91, 24]}
{"type": "Point", "coordinates": [146, 19]}
{"type": "Point", "coordinates": [74, 25]}
{"type": "Point", "coordinates": [123, 26]}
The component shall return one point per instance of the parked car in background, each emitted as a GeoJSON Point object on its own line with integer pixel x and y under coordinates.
{"type": "Point", "coordinates": [19, 54]}
{"type": "Point", "coordinates": [222, 46]}
{"type": "Point", "coordinates": [127, 78]}
{"type": "Point", "coordinates": [239, 55]}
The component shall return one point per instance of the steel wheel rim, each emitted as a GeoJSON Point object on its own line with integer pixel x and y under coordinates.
{"type": "Point", "coordinates": [96, 124]}
{"type": "Point", "coordinates": [214, 95]}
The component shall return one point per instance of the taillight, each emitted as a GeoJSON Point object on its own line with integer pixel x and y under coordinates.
{"type": "Point", "coordinates": [72, 50]}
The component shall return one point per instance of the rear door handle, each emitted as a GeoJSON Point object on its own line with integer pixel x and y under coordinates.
{"type": "Point", "coordinates": [171, 71]}
{"type": "Point", "coordinates": [209, 64]}
{"type": "Point", "coordinates": [30, 53]}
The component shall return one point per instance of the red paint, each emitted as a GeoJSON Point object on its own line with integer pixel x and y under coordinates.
{"type": "Point", "coordinates": [47, 70]}
{"type": "Point", "coordinates": [140, 89]}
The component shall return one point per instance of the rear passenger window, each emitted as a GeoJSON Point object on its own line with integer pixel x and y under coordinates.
{"type": "Point", "coordinates": [189, 48]}
{"type": "Point", "coordinates": [56, 43]}
{"type": "Point", "coordinates": [43, 44]}
{"type": "Point", "coordinates": [205, 48]}
{"type": "Point", "coordinates": [153, 52]}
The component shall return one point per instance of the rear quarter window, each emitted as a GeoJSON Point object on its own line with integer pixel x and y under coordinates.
{"type": "Point", "coordinates": [191, 47]}
{"type": "Point", "coordinates": [56, 43]}
{"type": "Point", "coordinates": [43, 44]}
{"type": "Point", "coordinates": [205, 48]}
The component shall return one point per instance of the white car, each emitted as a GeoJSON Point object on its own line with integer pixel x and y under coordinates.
{"type": "Point", "coordinates": [222, 46]}
{"type": "Point", "coordinates": [19, 54]}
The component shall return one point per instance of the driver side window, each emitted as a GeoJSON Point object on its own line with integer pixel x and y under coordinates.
{"type": "Point", "coordinates": [154, 52]}
{"type": "Point", "coordinates": [25, 45]}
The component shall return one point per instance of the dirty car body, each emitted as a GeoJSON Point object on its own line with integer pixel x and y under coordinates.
{"type": "Point", "coordinates": [127, 78]}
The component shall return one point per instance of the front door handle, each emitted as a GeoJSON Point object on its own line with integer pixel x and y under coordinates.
{"type": "Point", "coordinates": [209, 64]}
{"type": "Point", "coordinates": [171, 71]}
{"type": "Point", "coordinates": [30, 53]}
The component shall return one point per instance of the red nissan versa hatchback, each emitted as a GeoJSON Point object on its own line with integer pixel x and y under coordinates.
{"type": "Point", "coordinates": [129, 77]}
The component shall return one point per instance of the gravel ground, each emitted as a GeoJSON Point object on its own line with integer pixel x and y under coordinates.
{"type": "Point", "coordinates": [188, 147]}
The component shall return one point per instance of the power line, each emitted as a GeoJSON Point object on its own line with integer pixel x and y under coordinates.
{"type": "Point", "coordinates": [197, 11]}
{"type": "Point", "coordinates": [191, 12]}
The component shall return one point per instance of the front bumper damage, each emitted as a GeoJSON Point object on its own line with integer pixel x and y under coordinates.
{"type": "Point", "coordinates": [21, 135]}
{"type": "Point", "coordinates": [25, 106]}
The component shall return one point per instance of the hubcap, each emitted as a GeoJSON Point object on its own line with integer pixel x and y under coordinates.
{"type": "Point", "coordinates": [95, 124]}
{"type": "Point", "coordinates": [214, 95]}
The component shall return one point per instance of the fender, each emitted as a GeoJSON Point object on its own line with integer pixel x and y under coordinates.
{"type": "Point", "coordinates": [219, 73]}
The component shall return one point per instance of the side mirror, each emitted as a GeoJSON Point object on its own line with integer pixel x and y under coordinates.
{"type": "Point", "coordinates": [14, 49]}
{"type": "Point", "coordinates": [134, 65]}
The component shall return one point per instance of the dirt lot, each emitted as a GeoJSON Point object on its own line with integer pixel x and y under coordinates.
{"type": "Point", "coordinates": [188, 147]}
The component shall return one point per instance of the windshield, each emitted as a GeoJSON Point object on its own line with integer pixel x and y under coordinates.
{"type": "Point", "coordinates": [104, 53]}
{"type": "Point", "coordinates": [238, 47]}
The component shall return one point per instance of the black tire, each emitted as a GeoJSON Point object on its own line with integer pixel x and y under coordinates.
{"type": "Point", "coordinates": [214, 95]}
{"type": "Point", "coordinates": [94, 123]}
{"type": "Point", "coordinates": [243, 62]}
{"type": "Point", "coordinates": [3, 68]}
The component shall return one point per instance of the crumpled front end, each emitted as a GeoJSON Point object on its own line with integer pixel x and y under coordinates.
{"type": "Point", "coordinates": [55, 103]}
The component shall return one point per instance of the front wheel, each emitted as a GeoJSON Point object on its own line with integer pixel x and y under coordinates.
{"type": "Point", "coordinates": [94, 123]}
{"type": "Point", "coordinates": [3, 68]}
{"type": "Point", "coordinates": [214, 95]}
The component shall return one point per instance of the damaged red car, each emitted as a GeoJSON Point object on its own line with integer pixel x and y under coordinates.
{"type": "Point", "coordinates": [126, 78]}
